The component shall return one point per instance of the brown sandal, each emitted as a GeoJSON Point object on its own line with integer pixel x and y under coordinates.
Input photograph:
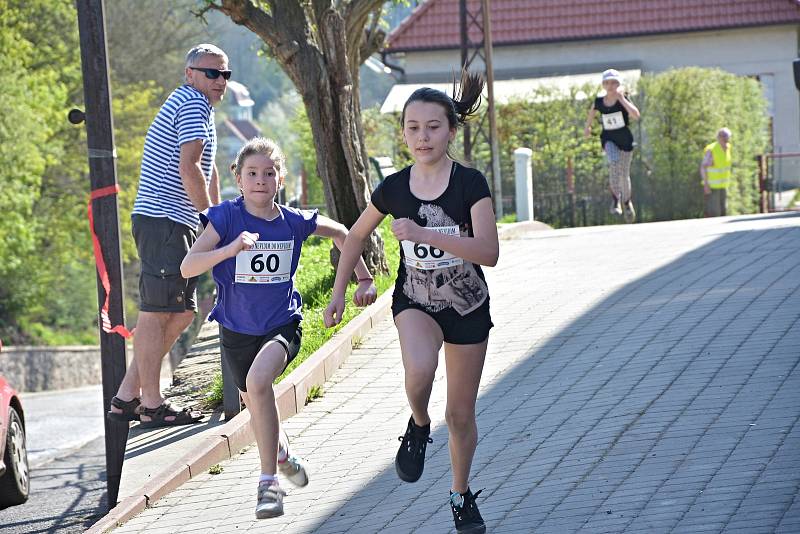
{"type": "Point", "coordinates": [158, 416]}
{"type": "Point", "coordinates": [128, 410]}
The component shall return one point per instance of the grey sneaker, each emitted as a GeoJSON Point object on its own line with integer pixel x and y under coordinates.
{"type": "Point", "coordinates": [630, 213]}
{"type": "Point", "coordinates": [270, 500]}
{"type": "Point", "coordinates": [294, 469]}
{"type": "Point", "coordinates": [615, 208]}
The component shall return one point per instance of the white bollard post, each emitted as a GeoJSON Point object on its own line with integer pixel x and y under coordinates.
{"type": "Point", "coordinates": [524, 179]}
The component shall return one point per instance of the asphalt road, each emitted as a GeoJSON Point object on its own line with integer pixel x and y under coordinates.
{"type": "Point", "coordinates": [68, 494]}
{"type": "Point", "coordinates": [66, 451]}
{"type": "Point", "coordinates": [60, 421]}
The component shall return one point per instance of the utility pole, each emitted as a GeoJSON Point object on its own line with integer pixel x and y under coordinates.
{"type": "Point", "coordinates": [476, 17]}
{"type": "Point", "coordinates": [103, 177]}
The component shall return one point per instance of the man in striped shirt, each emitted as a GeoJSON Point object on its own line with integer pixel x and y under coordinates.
{"type": "Point", "coordinates": [178, 179]}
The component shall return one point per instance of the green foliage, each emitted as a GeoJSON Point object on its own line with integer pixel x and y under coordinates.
{"type": "Point", "coordinates": [305, 150]}
{"type": "Point", "coordinates": [314, 392]}
{"type": "Point", "coordinates": [383, 136]}
{"type": "Point", "coordinates": [214, 394]}
{"type": "Point", "coordinates": [681, 113]}
{"type": "Point", "coordinates": [149, 39]}
{"type": "Point", "coordinates": [48, 291]}
{"type": "Point", "coordinates": [37, 166]}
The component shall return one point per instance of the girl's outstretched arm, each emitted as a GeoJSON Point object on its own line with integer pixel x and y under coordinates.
{"type": "Point", "coordinates": [482, 249]}
{"type": "Point", "coordinates": [203, 255]}
{"type": "Point", "coordinates": [351, 254]}
{"type": "Point", "coordinates": [366, 292]}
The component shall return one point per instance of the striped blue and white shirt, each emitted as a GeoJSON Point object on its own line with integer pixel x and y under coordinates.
{"type": "Point", "coordinates": [186, 116]}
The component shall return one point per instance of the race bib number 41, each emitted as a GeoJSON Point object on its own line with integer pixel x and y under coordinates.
{"type": "Point", "coordinates": [427, 257]}
{"type": "Point", "coordinates": [613, 121]}
{"type": "Point", "coordinates": [268, 262]}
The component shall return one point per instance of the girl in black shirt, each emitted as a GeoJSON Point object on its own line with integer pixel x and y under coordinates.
{"type": "Point", "coordinates": [617, 140]}
{"type": "Point", "coordinates": [444, 220]}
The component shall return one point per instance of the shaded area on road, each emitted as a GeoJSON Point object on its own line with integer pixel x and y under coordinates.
{"type": "Point", "coordinates": [673, 403]}
{"type": "Point", "coordinates": [68, 495]}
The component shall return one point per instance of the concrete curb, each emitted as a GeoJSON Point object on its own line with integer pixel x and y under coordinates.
{"type": "Point", "coordinates": [518, 229]}
{"type": "Point", "coordinates": [234, 435]}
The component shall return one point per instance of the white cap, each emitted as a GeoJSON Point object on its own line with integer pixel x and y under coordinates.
{"type": "Point", "coordinates": [612, 74]}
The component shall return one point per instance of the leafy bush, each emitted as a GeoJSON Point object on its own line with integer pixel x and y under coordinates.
{"type": "Point", "coordinates": [682, 110]}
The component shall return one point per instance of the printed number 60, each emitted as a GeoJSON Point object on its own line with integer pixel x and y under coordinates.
{"type": "Point", "coordinates": [271, 264]}
{"type": "Point", "coordinates": [423, 252]}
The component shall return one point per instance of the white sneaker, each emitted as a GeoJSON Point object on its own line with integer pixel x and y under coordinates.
{"type": "Point", "coordinates": [616, 208]}
{"type": "Point", "coordinates": [270, 500]}
{"type": "Point", "coordinates": [294, 469]}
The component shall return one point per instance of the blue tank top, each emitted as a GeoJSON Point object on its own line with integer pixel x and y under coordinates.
{"type": "Point", "coordinates": [255, 289]}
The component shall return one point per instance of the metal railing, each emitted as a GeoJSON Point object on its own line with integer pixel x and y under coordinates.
{"type": "Point", "coordinates": [771, 183]}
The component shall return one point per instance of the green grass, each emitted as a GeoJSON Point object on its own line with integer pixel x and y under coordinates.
{"type": "Point", "coordinates": [508, 218]}
{"type": "Point", "coordinates": [314, 392]}
{"type": "Point", "coordinates": [314, 280]}
{"type": "Point", "coordinates": [213, 396]}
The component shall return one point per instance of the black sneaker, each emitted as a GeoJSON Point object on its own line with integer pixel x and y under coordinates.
{"type": "Point", "coordinates": [465, 513]}
{"type": "Point", "coordinates": [410, 459]}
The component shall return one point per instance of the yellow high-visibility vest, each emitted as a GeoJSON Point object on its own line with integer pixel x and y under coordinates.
{"type": "Point", "coordinates": [719, 173]}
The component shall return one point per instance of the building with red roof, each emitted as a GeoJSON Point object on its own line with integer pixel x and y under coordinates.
{"type": "Point", "coordinates": [533, 39]}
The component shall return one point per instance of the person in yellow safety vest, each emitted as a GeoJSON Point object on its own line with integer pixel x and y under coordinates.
{"type": "Point", "coordinates": [716, 172]}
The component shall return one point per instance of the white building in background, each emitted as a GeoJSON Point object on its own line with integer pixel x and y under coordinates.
{"type": "Point", "coordinates": [233, 131]}
{"type": "Point", "coordinates": [536, 39]}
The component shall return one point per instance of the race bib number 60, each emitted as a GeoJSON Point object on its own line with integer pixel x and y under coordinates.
{"type": "Point", "coordinates": [427, 257]}
{"type": "Point", "coordinates": [268, 262]}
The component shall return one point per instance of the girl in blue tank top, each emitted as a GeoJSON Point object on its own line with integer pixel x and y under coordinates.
{"type": "Point", "coordinates": [252, 244]}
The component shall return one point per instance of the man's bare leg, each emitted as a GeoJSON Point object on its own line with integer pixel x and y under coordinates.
{"type": "Point", "coordinates": [155, 334]}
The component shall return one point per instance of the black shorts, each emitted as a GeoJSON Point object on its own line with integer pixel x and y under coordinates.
{"type": "Point", "coordinates": [162, 244]}
{"type": "Point", "coordinates": [457, 329]}
{"type": "Point", "coordinates": [240, 350]}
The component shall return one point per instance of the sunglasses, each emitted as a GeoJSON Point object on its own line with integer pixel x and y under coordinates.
{"type": "Point", "coordinates": [213, 74]}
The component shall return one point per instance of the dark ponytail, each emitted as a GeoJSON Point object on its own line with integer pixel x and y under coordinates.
{"type": "Point", "coordinates": [464, 103]}
{"type": "Point", "coordinates": [467, 95]}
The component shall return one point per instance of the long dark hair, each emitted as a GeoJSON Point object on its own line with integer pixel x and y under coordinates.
{"type": "Point", "coordinates": [460, 107]}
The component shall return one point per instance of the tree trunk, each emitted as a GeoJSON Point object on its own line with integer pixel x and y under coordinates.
{"type": "Point", "coordinates": [322, 71]}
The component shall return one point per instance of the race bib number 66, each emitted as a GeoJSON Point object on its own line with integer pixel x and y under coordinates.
{"type": "Point", "coordinates": [268, 262]}
{"type": "Point", "coordinates": [428, 257]}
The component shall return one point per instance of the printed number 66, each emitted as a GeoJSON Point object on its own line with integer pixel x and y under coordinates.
{"type": "Point", "coordinates": [423, 252]}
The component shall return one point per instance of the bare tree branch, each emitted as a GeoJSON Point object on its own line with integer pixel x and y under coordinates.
{"type": "Point", "coordinates": [277, 36]}
{"type": "Point", "coordinates": [356, 16]}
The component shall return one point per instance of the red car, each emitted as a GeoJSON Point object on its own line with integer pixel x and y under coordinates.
{"type": "Point", "coordinates": [14, 472]}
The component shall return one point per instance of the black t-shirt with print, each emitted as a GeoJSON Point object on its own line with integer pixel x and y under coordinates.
{"type": "Point", "coordinates": [428, 276]}
{"type": "Point", "coordinates": [615, 124]}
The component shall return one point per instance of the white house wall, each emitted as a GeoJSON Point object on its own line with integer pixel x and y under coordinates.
{"type": "Point", "coordinates": [749, 51]}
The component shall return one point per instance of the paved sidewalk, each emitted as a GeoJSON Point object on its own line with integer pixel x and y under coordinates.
{"type": "Point", "coordinates": [640, 378]}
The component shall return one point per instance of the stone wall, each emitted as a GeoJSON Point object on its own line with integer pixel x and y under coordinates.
{"type": "Point", "coordinates": [45, 368]}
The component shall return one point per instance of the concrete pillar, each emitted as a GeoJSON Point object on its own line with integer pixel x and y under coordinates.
{"type": "Point", "coordinates": [524, 180]}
